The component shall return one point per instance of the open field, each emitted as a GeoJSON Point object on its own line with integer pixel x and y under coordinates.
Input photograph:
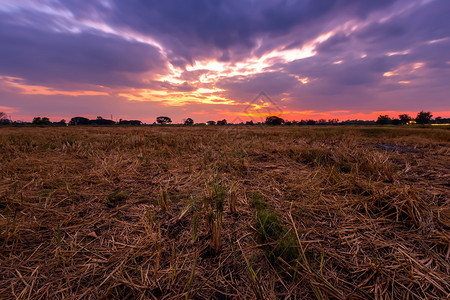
{"type": "Point", "coordinates": [201, 212]}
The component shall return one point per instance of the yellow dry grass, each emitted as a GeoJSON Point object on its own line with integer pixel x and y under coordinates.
{"type": "Point", "coordinates": [167, 212]}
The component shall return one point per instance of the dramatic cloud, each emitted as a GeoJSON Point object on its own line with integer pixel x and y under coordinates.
{"type": "Point", "coordinates": [45, 57]}
{"type": "Point", "coordinates": [210, 58]}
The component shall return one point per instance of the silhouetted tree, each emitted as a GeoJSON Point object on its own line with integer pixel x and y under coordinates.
{"type": "Point", "coordinates": [101, 121]}
{"type": "Point", "coordinates": [424, 117]}
{"type": "Point", "coordinates": [211, 123]}
{"type": "Point", "coordinates": [130, 122]}
{"type": "Point", "coordinates": [79, 121]}
{"type": "Point", "coordinates": [189, 121]}
{"type": "Point", "coordinates": [440, 120]}
{"type": "Point", "coordinates": [396, 121]}
{"type": "Point", "coordinates": [310, 122]}
{"type": "Point", "coordinates": [249, 122]}
{"type": "Point", "coordinates": [163, 120]}
{"type": "Point", "coordinates": [62, 122]}
{"type": "Point", "coordinates": [37, 121]}
{"type": "Point", "coordinates": [404, 118]}
{"type": "Point", "coordinates": [358, 122]}
{"type": "Point", "coordinates": [41, 121]}
{"type": "Point", "coordinates": [222, 122]}
{"type": "Point", "coordinates": [382, 120]}
{"type": "Point", "coordinates": [3, 119]}
{"type": "Point", "coordinates": [274, 120]}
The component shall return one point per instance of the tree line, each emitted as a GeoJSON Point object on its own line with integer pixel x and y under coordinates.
{"type": "Point", "coordinates": [403, 119]}
{"type": "Point", "coordinates": [422, 118]}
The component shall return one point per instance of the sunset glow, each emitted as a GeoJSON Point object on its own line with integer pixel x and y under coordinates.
{"type": "Point", "coordinates": [140, 60]}
{"type": "Point", "coordinates": [17, 84]}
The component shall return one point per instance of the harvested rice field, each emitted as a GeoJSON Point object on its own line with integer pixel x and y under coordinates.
{"type": "Point", "coordinates": [201, 212]}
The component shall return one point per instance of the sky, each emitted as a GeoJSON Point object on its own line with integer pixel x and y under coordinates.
{"type": "Point", "coordinates": [224, 59]}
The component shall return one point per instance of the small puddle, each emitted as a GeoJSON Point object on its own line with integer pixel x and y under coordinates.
{"type": "Point", "coordinates": [397, 148]}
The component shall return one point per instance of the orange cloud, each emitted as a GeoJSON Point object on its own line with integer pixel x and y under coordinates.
{"type": "Point", "coordinates": [174, 98]}
{"type": "Point", "coordinates": [403, 71]}
{"type": "Point", "coordinates": [7, 109]}
{"type": "Point", "coordinates": [26, 89]}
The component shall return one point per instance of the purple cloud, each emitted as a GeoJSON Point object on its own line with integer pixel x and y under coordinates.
{"type": "Point", "coordinates": [364, 54]}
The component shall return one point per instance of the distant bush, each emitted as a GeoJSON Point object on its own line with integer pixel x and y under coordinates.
{"type": "Point", "coordinates": [424, 117]}
{"type": "Point", "coordinates": [274, 120]}
{"type": "Point", "coordinates": [79, 121]}
{"type": "Point", "coordinates": [440, 120]}
{"type": "Point", "coordinates": [130, 122]}
{"type": "Point", "coordinates": [3, 119]}
{"type": "Point", "coordinates": [41, 121]}
{"type": "Point", "coordinates": [404, 118]}
{"type": "Point", "coordinates": [383, 120]}
{"type": "Point", "coordinates": [163, 120]}
{"type": "Point", "coordinates": [101, 121]}
{"type": "Point", "coordinates": [189, 121]}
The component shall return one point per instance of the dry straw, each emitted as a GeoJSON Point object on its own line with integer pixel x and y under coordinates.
{"type": "Point", "coordinates": [287, 212]}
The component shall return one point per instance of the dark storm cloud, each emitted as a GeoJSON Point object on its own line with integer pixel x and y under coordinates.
{"type": "Point", "coordinates": [198, 28]}
{"type": "Point", "coordinates": [436, 55]}
{"type": "Point", "coordinates": [342, 75]}
{"type": "Point", "coordinates": [43, 57]}
{"type": "Point", "coordinates": [189, 30]}
{"type": "Point", "coordinates": [335, 44]}
{"type": "Point", "coordinates": [411, 29]}
{"type": "Point", "coordinates": [352, 71]}
{"type": "Point", "coordinates": [421, 24]}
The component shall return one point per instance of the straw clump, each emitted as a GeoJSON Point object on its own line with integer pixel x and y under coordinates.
{"type": "Point", "coordinates": [199, 212]}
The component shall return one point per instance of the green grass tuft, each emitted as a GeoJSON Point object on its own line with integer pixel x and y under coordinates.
{"type": "Point", "coordinates": [258, 202]}
{"type": "Point", "coordinates": [116, 198]}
